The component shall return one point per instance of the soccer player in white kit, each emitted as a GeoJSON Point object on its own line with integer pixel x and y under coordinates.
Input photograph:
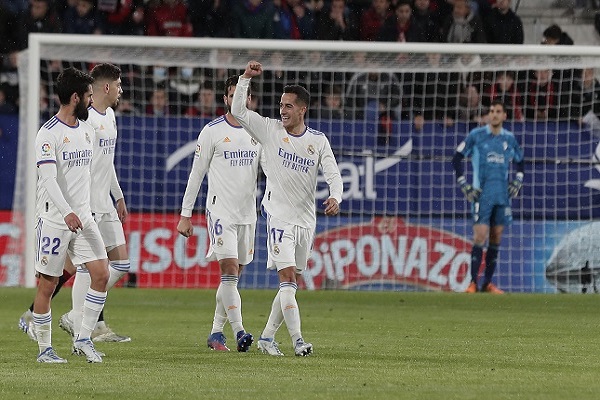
{"type": "Point", "coordinates": [107, 92]}
{"type": "Point", "coordinates": [65, 226]}
{"type": "Point", "coordinates": [294, 153]}
{"type": "Point", "coordinates": [231, 158]}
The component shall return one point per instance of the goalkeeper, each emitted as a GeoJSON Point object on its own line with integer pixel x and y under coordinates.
{"type": "Point", "coordinates": [491, 149]}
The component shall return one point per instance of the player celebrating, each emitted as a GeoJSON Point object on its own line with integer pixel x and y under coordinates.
{"type": "Point", "coordinates": [293, 153]}
{"type": "Point", "coordinates": [64, 149]}
{"type": "Point", "coordinates": [107, 92]}
{"type": "Point", "coordinates": [231, 157]}
{"type": "Point", "coordinates": [491, 148]}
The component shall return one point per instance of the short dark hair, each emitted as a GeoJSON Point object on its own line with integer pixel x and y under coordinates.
{"type": "Point", "coordinates": [498, 103]}
{"type": "Point", "coordinates": [233, 81]}
{"type": "Point", "coordinates": [106, 71]}
{"type": "Point", "coordinates": [553, 32]}
{"type": "Point", "coordinates": [300, 92]}
{"type": "Point", "coordinates": [72, 80]}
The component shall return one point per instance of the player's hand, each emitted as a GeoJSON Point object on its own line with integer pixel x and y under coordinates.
{"type": "Point", "coordinates": [184, 227]}
{"type": "Point", "coordinates": [73, 222]}
{"type": "Point", "coordinates": [515, 187]}
{"type": "Point", "coordinates": [469, 191]}
{"type": "Point", "coordinates": [253, 68]}
{"type": "Point", "coordinates": [122, 210]}
{"type": "Point", "coordinates": [332, 207]}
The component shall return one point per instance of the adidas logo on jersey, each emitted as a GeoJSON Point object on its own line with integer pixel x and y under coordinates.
{"type": "Point", "coordinates": [286, 139]}
{"type": "Point", "coordinates": [66, 140]}
{"type": "Point", "coordinates": [101, 127]}
{"type": "Point", "coordinates": [226, 140]}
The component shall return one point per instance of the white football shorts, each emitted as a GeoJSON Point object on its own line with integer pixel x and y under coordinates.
{"type": "Point", "coordinates": [54, 244]}
{"type": "Point", "coordinates": [229, 240]}
{"type": "Point", "coordinates": [111, 229]}
{"type": "Point", "coordinates": [288, 245]}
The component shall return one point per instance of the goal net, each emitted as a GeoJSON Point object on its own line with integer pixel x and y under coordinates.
{"type": "Point", "coordinates": [394, 115]}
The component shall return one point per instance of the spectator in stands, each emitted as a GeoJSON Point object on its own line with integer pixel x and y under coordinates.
{"type": "Point", "coordinates": [401, 27]}
{"type": "Point", "coordinates": [463, 26]}
{"type": "Point", "coordinates": [423, 16]}
{"type": "Point", "coordinates": [292, 20]}
{"type": "Point", "coordinates": [373, 18]}
{"type": "Point", "coordinates": [205, 104]}
{"type": "Point", "coordinates": [9, 77]}
{"type": "Point", "coordinates": [122, 17]}
{"type": "Point", "coordinates": [14, 7]}
{"type": "Point", "coordinates": [505, 89]}
{"type": "Point", "coordinates": [158, 102]}
{"type": "Point", "coordinates": [6, 106]}
{"type": "Point", "coordinates": [586, 99]}
{"type": "Point", "coordinates": [126, 107]}
{"type": "Point", "coordinates": [371, 94]}
{"type": "Point", "coordinates": [470, 106]}
{"type": "Point", "coordinates": [7, 30]}
{"type": "Point", "coordinates": [82, 19]}
{"type": "Point", "coordinates": [274, 80]}
{"type": "Point", "coordinates": [40, 18]}
{"type": "Point", "coordinates": [434, 94]}
{"type": "Point", "coordinates": [336, 22]}
{"type": "Point", "coordinates": [210, 18]}
{"type": "Point", "coordinates": [502, 25]}
{"type": "Point", "coordinates": [168, 18]}
{"type": "Point", "coordinates": [555, 35]}
{"type": "Point", "coordinates": [253, 19]}
{"type": "Point", "coordinates": [331, 106]}
{"type": "Point", "coordinates": [541, 96]}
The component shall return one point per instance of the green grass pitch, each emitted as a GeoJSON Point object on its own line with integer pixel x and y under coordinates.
{"type": "Point", "coordinates": [367, 346]}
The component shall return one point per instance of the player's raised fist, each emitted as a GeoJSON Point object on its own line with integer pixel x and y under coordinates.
{"type": "Point", "coordinates": [253, 68]}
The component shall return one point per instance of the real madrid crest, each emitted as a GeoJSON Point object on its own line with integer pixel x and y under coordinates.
{"type": "Point", "coordinates": [87, 138]}
{"type": "Point", "coordinates": [253, 141]}
{"type": "Point", "coordinates": [219, 242]}
{"type": "Point", "coordinates": [44, 261]}
{"type": "Point", "coordinates": [311, 149]}
{"type": "Point", "coordinates": [505, 146]}
{"type": "Point", "coordinates": [276, 249]}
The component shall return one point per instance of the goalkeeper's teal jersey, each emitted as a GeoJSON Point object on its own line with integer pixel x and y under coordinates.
{"type": "Point", "coordinates": [490, 157]}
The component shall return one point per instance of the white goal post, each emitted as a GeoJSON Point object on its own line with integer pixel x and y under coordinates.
{"type": "Point", "coordinates": [404, 225]}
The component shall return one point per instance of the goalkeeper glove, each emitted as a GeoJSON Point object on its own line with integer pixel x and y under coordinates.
{"type": "Point", "coordinates": [469, 191]}
{"type": "Point", "coordinates": [515, 186]}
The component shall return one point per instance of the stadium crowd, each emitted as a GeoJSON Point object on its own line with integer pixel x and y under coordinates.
{"type": "Point", "coordinates": [416, 96]}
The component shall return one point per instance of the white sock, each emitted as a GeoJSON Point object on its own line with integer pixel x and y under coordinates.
{"type": "Point", "coordinates": [42, 323]}
{"type": "Point", "coordinates": [93, 304]}
{"type": "Point", "coordinates": [290, 310]}
{"type": "Point", "coordinates": [275, 318]}
{"type": "Point", "coordinates": [232, 302]}
{"type": "Point", "coordinates": [220, 315]}
{"type": "Point", "coordinates": [80, 288]}
{"type": "Point", "coordinates": [118, 268]}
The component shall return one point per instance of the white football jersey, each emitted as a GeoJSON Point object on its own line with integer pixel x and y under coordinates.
{"type": "Point", "coordinates": [71, 149]}
{"type": "Point", "coordinates": [293, 164]}
{"type": "Point", "coordinates": [231, 158]}
{"type": "Point", "coordinates": [104, 176]}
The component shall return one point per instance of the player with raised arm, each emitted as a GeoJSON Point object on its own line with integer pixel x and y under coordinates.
{"type": "Point", "coordinates": [294, 153]}
{"type": "Point", "coordinates": [108, 216]}
{"type": "Point", "coordinates": [231, 158]}
{"type": "Point", "coordinates": [65, 225]}
{"type": "Point", "coordinates": [491, 148]}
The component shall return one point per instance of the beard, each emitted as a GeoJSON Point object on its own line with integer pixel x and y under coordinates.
{"type": "Point", "coordinates": [81, 112]}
